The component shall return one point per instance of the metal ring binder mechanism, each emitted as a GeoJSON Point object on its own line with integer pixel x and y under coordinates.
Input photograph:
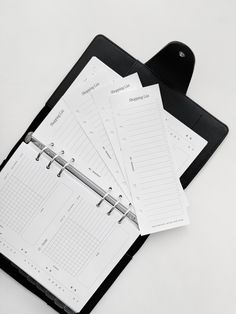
{"type": "Point", "coordinates": [125, 214]}
{"type": "Point", "coordinates": [114, 206]}
{"type": "Point", "coordinates": [54, 158]}
{"type": "Point", "coordinates": [64, 167]}
{"type": "Point", "coordinates": [42, 150]}
{"type": "Point", "coordinates": [105, 195]}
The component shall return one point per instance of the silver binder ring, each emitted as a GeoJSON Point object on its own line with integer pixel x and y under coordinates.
{"type": "Point", "coordinates": [42, 150]}
{"type": "Point", "coordinates": [115, 205]}
{"type": "Point", "coordinates": [104, 197]}
{"type": "Point", "coordinates": [65, 166]}
{"type": "Point", "coordinates": [54, 158]}
{"type": "Point", "coordinates": [125, 214]}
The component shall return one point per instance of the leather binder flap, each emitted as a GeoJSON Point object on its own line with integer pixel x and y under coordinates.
{"type": "Point", "coordinates": [174, 65]}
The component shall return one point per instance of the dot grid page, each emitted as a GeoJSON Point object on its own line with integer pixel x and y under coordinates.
{"type": "Point", "coordinates": [157, 193]}
{"type": "Point", "coordinates": [185, 143]}
{"type": "Point", "coordinates": [75, 244]}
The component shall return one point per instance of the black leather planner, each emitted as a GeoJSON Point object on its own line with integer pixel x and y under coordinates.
{"type": "Point", "coordinates": [172, 68]}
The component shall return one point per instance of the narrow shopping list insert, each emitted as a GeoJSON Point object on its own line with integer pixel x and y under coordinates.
{"type": "Point", "coordinates": [158, 196]}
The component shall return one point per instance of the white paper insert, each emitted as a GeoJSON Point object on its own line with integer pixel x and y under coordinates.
{"type": "Point", "coordinates": [156, 190]}
{"type": "Point", "coordinates": [102, 100]}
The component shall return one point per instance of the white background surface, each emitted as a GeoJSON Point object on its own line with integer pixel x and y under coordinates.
{"type": "Point", "coordinates": [184, 271]}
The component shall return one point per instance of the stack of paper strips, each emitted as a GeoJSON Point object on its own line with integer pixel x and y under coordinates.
{"type": "Point", "coordinates": [122, 138]}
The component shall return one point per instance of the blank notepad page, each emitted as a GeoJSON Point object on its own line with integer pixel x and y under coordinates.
{"type": "Point", "coordinates": [157, 192]}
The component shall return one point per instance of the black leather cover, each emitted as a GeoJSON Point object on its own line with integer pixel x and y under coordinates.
{"type": "Point", "coordinates": [172, 68]}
